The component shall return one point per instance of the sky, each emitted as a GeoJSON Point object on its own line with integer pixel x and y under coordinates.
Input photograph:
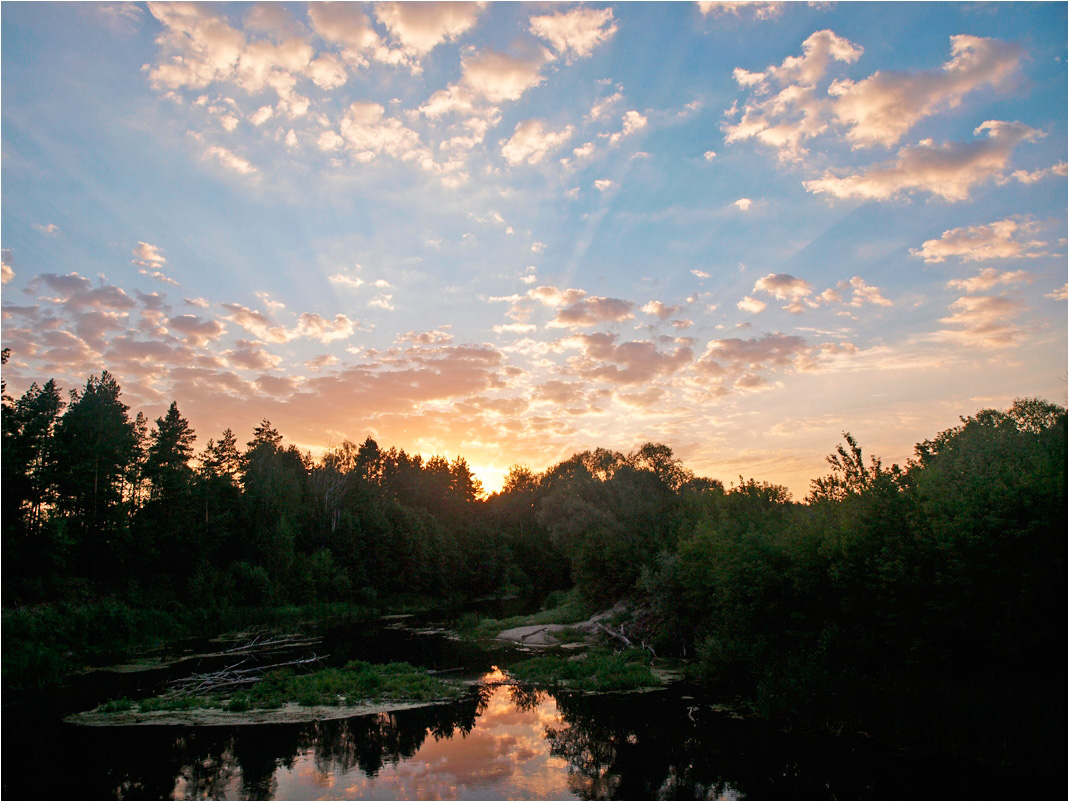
{"type": "Point", "coordinates": [511, 232]}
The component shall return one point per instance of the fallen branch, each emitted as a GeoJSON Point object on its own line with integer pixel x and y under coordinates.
{"type": "Point", "coordinates": [232, 676]}
{"type": "Point", "coordinates": [620, 636]}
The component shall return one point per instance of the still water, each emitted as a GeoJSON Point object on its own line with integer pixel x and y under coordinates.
{"type": "Point", "coordinates": [500, 742]}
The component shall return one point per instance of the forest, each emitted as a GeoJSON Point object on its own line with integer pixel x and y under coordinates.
{"type": "Point", "coordinates": [921, 602]}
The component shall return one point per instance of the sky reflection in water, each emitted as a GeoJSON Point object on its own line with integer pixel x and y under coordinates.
{"type": "Point", "coordinates": [505, 756]}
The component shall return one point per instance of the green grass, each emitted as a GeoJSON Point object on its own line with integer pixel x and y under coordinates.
{"type": "Point", "coordinates": [356, 683]}
{"type": "Point", "coordinates": [598, 670]}
{"type": "Point", "coordinates": [561, 608]}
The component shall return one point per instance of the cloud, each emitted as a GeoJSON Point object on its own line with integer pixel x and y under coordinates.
{"type": "Point", "coordinates": [735, 358]}
{"type": "Point", "coordinates": [124, 18]}
{"type": "Point", "coordinates": [1026, 177]}
{"type": "Point", "coordinates": [576, 33]}
{"type": "Point", "coordinates": [709, 155]}
{"type": "Point", "coordinates": [787, 118]}
{"type": "Point", "coordinates": [148, 255]}
{"type": "Point", "coordinates": [78, 293]}
{"type": "Point", "coordinates": [487, 77]}
{"type": "Point", "coordinates": [560, 393]}
{"type": "Point", "coordinates": [604, 184]}
{"type": "Point", "coordinates": [345, 25]}
{"type": "Point", "coordinates": [632, 121]}
{"type": "Point", "coordinates": [743, 204]}
{"type": "Point", "coordinates": [197, 332]}
{"type": "Point", "coordinates": [593, 310]}
{"type": "Point", "coordinates": [351, 282]}
{"type": "Point", "coordinates": [948, 171]}
{"type": "Point", "coordinates": [531, 142]}
{"type": "Point", "coordinates": [318, 363]}
{"type": "Point", "coordinates": [786, 108]}
{"type": "Point", "coordinates": [251, 355]}
{"type": "Point", "coordinates": [700, 273]}
{"type": "Point", "coordinates": [433, 337]}
{"type": "Point", "coordinates": [230, 160]}
{"type": "Point", "coordinates": [984, 320]}
{"type": "Point", "coordinates": [625, 363]}
{"type": "Point", "coordinates": [660, 310]}
{"type": "Point", "coordinates": [256, 323]}
{"type": "Point", "coordinates": [760, 9]}
{"type": "Point", "coordinates": [368, 134]}
{"type": "Point", "coordinates": [1005, 239]}
{"type": "Point", "coordinates": [751, 305]}
{"type": "Point", "coordinates": [783, 286]}
{"type": "Point", "coordinates": [601, 107]}
{"type": "Point", "coordinates": [7, 272]}
{"type": "Point", "coordinates": [864, 293]}
{"type": "Point", "coordinates": [320, 329]}
{"type": "Point", "coordinates": [990, 277]}
{"type": "Point", "coordinates": [1060, 294]}
{"type": "Point", "coordinates": [420, 27]}
{"type": "Point", "coordinates": [49, 230]}
{"type": "Point", "coordinates": [880, 109]}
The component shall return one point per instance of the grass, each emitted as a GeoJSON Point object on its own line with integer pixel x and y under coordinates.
{"type": "Point", "coordinates": [599, 670]}
{"type": "Point", "coordinates": [355, 683]}
{"type": "Point", "coordinates": [562, 607]}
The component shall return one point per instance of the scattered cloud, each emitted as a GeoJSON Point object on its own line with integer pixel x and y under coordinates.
{"type": "Point", "coordinates": [660, 310]}
{"type": "Point", "coordinates": [230, 160]}
{"type": "Point", "coordinates": [593, 310]}
{"type": "Point", "coordinates": [420, 27]}
{"type": "Point", "coordinates": [624, 363]}
{"type": "Point", "coordinates": [949, 171]}
{"type": "Point", "coordinates": [1026, 177]}
{"type": "Point", "coordinates": [49, 230]}
{"type": "Point", "coordinates": [787, 118]}
{"type": "Point", "coordinates": [1005, 239]}
{"type": "Point", "coordinates": [984, 320]}
{"type": "Point", "coordinates": [743, 204]}
{"type": "Point", "coordinates": [880, 109]}
{"type": "Point", "coordinates": [531, 141]}
{"type": "Point", "coordinates": [759, 9]}
{"type": "Point", "coordinates": [751, 305]}
{"type": "Point", "coordinates": [575, 34]}
{"type": "Point", "coordinates": [990, 277]}
{"type": "Point", "coordinates": [632, 121]}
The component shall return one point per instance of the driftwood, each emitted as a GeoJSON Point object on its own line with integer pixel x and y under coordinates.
{"type": "Point", "coordinates": [232, 676]}
{"type": "Point", "coordinates": [620, 636]}
{"type": "Point", "coordinates": [256, 645]}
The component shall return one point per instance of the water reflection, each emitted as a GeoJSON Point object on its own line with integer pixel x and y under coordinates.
{"type": "Point", "coordinates": [500, 742]}
{"type": "Point", "coordinates": [496, 751]}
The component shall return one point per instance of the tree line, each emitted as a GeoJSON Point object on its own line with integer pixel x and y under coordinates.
{"type": "Point", "coordinates": [921, 598]}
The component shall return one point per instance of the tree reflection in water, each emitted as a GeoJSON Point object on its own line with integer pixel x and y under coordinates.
{"type": "Point", "coordinates": [500, 742]}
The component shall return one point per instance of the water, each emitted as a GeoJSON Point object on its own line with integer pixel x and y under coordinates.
{"type": "Point", "coordinates": [500, 742]}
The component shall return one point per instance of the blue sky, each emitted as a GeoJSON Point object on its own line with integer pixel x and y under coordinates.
{"type": "Point", "coordinates": [512, 231]}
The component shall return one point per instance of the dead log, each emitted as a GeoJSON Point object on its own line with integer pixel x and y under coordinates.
{"type": "Point", "coordinates": [620, 636]}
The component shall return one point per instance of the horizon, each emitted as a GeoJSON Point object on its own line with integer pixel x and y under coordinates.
{"type": "Point", "coordinates": [512, 233]}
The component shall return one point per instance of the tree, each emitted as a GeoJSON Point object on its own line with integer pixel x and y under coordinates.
{"type": "Point", "coordinates": [95, 445]}
{"type": "Point", "coordinates": [169, 451]}
{"type": "Point", "coordinates": [29, 453]}
{"type": "Point", "coordinates": [849, 475]}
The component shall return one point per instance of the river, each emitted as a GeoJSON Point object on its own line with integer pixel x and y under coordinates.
{"type": "Point", "coordinates": [500, 742]}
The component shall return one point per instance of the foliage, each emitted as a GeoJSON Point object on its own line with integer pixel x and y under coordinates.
{"type": "Point", "coordinates": [353, 684]}
{"type": "Point", "coordinates": [598, 670]}
{"type": "Point", "coordinates": [888, 600]}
